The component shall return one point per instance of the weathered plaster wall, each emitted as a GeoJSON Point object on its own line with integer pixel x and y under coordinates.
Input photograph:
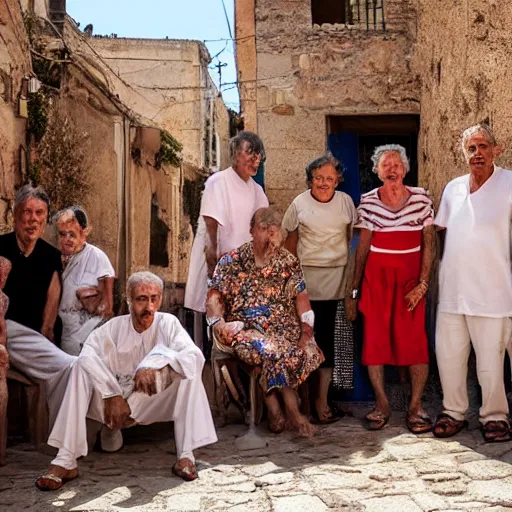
{"type": "Point", "coordinates": [14, 66]}
{"type": "Point", "coordinates": [92, 113]}
{"type": "Point", "coordinates": [306, 73]}
{"type": "Point", "coordinates": [172, 76]}
{"type": "Point", "coordinates": [464, 59]}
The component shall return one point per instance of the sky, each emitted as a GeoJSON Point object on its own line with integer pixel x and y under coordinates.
{"type": "Point", "coordinates": [177, 19]}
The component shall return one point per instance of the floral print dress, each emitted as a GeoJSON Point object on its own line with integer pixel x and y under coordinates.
{"type": "Point", "coordinates": [263, 298]}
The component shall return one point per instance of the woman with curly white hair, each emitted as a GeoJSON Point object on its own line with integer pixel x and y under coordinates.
{"type": "Point", "coordinates": [393, 261]}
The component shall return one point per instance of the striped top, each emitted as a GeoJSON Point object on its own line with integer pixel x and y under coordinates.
{"type": "Point", "coordinates": [417, 212]}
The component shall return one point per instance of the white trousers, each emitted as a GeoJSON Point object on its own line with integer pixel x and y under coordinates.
{"type": "Point", "coordinates": [184, 402]}
{"type": "Point", "coordinates": [36, 356]}
{"type": "Point", "coordinates": [490, 337]}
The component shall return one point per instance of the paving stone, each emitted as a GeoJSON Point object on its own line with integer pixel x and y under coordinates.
{"type": "Point", "coordinates": [300, 503]}
{"type": "Point", "coordinates": [340, 480]}
{"type": "Point", "coordinates": [274, 479]}
{"type": "Point", "coordinates": [390, 471]}
{"type": "Point", "coordinates": [340, 501]}
{"type": "Point", "coordinates": [428, 502]}
{"type": "Point", "coordinates": [496, 492]}
{"type": "Point", "coordinates": [391, 504]}
{"type": "Point", "coordinates": [452, 488]}
{"type": "Point", "coordinates": [441, 477]}
{"type": "Point", "coordinates": [260, 469]}
{"type": "Point", "coordinates": [289, 489]}
{"type": "Point", "coordinates": [486, 469]}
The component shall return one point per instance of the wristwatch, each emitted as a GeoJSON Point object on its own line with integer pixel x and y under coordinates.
{"type": "Point", "coordinates": [354, 293]}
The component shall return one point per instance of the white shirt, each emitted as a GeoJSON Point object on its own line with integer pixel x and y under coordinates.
{"type": "Point", "coordinates": [113, 352]}
{"type": "Point", "coordinates": [475, 275]}
{"type": "Point", "coordinates": [83, 269]}
{"type": "Point", "coordinates": [231, 201]}
{"type": "Point", "coordinates": [322, 244]}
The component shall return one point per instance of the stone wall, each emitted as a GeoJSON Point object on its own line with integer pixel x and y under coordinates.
{"type": "Point", "coordinates": [464, 60]}
{"type": "Point", "coordinates": [172, 76]}
{"type": "Point", "coordinates": [306, 73]}
{"type": "Point", "coordinates": [14, 67]}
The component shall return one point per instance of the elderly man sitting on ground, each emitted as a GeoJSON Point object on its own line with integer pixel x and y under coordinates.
{"type": "Point", "coordinates": [139, 368]}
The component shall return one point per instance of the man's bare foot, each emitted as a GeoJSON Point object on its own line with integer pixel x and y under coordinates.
{"type": "Point", "coordinates": [55, 478]}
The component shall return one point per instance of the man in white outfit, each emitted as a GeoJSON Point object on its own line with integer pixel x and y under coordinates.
{"type": "Point", "coordinates": [228, 203]}
{"type": "Point", "coordinates": [117, 381]}
{"type": "Point", "coordinates": [475, 287]}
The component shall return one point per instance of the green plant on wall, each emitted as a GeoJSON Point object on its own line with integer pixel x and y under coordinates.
{"type": "Point", "coordinates": [62, 164]}
{"type": "Point", "coordinates": [37, 114]}
{"type": "Point", "coordinates": [169, 152]}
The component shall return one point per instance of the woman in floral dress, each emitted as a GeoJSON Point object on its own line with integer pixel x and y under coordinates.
{"type": "Point", "coordinates": [262, 286]}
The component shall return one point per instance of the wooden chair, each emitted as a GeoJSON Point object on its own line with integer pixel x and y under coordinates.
{"type": "Point", "coordinates": [252, 407]}
{"type": "Point", "coordinates": [37, 408]}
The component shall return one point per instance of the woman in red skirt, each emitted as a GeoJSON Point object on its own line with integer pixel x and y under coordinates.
{"type": "Point", "coordinates": [395, 254]}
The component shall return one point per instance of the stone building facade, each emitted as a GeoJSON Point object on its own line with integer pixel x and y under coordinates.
{"type": "Point", "coordinates": [351, 74]}
{"type": "Point", "coordinates": [15, 71]}
{"type": "Point", "coordinates": [172, 76]}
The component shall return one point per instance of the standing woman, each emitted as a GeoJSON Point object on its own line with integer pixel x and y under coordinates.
{"type": "Point", "coordinates": [395, 253]}
{"type": "Point", "coordinates": [319, 223]}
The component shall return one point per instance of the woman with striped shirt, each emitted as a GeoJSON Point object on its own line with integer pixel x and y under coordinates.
{"type": "Point", "coordinates": [393, 261]}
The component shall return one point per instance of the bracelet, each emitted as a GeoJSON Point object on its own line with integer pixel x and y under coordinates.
{"type": "Point", "coordinates": [424, 283]}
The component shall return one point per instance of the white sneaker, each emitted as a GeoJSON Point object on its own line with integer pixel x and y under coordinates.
{"type": "Point", "coordinates": [111, 440]}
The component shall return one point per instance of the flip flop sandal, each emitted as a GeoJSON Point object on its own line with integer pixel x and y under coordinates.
{"type": "Point", "coordinates": [57, 481]}
{"type": "Point", "coordinates": [450, 426]}
{"type": "Point", "coordinates": [496, 427]}
{"type": "Point", "coordinates": [418, 423]}
{"type": "Point", "coordinates": [185, 473]}
{"type": "Point", "coordinates": [330, 418]}
{"type": "Point", "coordinates": [377, 422]}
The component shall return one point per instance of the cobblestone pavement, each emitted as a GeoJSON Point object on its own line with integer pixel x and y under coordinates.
{"type": "Point", "coordinates": [343, 468]}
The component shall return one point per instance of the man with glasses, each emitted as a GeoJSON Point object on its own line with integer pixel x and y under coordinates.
{"type": "Point", "coordinates": [229, 201]}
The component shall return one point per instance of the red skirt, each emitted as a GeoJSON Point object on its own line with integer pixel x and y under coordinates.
{"type": "Point", "coordinates": [393, 335]}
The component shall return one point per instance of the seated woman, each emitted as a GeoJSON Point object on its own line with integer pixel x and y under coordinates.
{"type": "Point", "coordinates": [257, 302]}
{"type": "Point", "coordinates": [87, 280]}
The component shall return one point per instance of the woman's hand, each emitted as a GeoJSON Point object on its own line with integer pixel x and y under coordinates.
{"type": "Point", "coordinates": [225, 331]}
{"type": "Point", "coordinates": [306, 335]}
{"type": "Point", "coordinates": [413, 298]}
{"type": "Point", "coordinates": [351, 309]}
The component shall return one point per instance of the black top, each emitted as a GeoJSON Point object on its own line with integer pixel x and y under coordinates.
{"type": "Point", "coordinates": [29, 280]}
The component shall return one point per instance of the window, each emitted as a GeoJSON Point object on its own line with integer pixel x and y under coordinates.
{"type": "Point", "coordinates": [367, 14]}
{"type": "Point", "coordinates": [329, 11]}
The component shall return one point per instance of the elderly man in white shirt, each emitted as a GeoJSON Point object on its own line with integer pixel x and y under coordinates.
{"type": "Point", "coordinates": [139, 368]}
{"type": "Point", "coordinates": [228, 203]}
{"type": "Point", "coordinates": [475, 287]}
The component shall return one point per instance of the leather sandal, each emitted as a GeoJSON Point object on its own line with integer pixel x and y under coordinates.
{"type": "Point", "coordinates": [446, 426]}
{"type": "Point", "coordinates": [376, 420]}
{"type": "Point", "coordinates": [418, 423]}
{"type": "Point", "coordinates": [51, 482]}
{"type": "Point", "coordinates": [185, 469]}
{"type": "Point", "coordinates": [496, 432]}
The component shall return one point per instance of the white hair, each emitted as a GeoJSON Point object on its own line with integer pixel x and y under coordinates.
{"type": "Point", "coordinates": [142, 277]}
{"type": "Point", "coordinates": [483, 128]}
{"type": "Point", "coordinates": [379, 151]}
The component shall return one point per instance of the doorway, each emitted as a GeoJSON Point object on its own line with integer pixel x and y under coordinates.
{"type": "Point", "coordinates": [352, 139]}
